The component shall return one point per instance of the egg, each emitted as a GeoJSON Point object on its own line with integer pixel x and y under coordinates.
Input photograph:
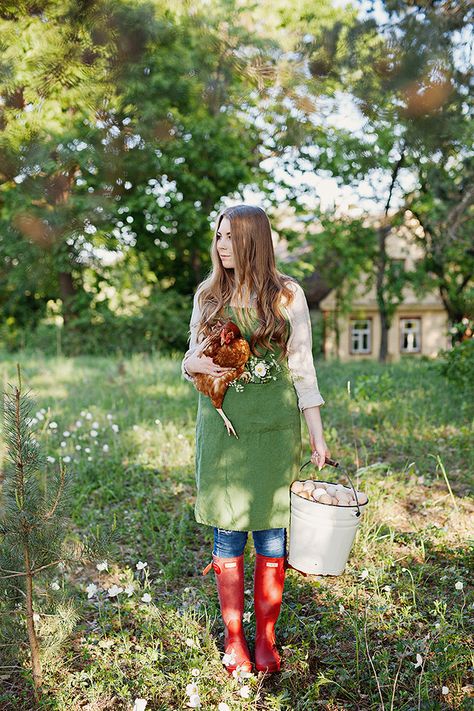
{"type": "Point", "coordinates": [352, 502]}
{"type": "Point", "coordinates": [308, 485]}
{"type": "Point", "coordinates": [297, 486]}
{"type": "Point", "coordinates": [343, 499]}
{"type": "Point", "coordinates": [305, 494]}
{"type": "Point", "coordinates": [334, 501]}
{"type": "Point", "coordinates": [317, 492]}
{"type": "Point", "coordinates": [325, 499]}
{"type": "Point", "coordinates": [362, 498]}
{"type": "Point", "coordinates": [331, 489]}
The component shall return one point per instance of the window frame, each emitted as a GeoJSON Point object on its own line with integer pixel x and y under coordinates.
{"type": "Point", "coordinates": [401, 321]}
{"type": "Point", "coordinates": [369, 320]}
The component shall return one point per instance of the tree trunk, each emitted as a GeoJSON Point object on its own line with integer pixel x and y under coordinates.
{"type": "Point", "coordinates": [67, 291]}
{"type": "Point", "coordinates": [383, 311]}
{"type": "Point", "coordinates": [30, 625]}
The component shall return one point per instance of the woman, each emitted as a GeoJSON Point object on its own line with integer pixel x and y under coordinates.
{"type": "Point", "coordinates": [243, 483]}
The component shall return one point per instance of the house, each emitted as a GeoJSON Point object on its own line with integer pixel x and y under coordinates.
{"type": "Point", "coordinates": [419, 327]}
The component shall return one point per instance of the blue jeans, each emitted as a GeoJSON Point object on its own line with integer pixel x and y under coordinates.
{"type": "Point", "coordinates": [270, 542]}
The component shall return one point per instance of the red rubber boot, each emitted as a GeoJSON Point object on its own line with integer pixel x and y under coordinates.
{"type": "Point", "coordinates": [269, 581]}
{"type": "Point", "coordinates": [230, 588]}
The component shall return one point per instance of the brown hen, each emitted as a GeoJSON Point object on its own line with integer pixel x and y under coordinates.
{"type": "Point", "coordinates": [227, 348]}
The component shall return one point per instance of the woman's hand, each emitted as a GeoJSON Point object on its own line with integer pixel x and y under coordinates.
{"type": "Point", "coordinates": [319, 450]}
{"type": "Point", "coordinates": [197, 362]}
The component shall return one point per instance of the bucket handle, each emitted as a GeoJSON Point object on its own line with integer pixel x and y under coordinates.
{"type": "Point", "coordinates": [333, 463]}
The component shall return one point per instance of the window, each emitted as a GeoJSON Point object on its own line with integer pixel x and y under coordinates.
{"type": "Point", "coordinates": [410, 335]}
{"type": "Point", "coordinates": [361, 336]}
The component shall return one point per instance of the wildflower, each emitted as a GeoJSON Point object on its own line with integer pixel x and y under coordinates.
{"type": "Point", "coordinates": [228, 659]}
{"type": "Point", "coordinates": [66, 434]}
{"type": "Point", "coordinates": [139, 705]}
{"type": "Point", "coordinates": [135, 428]}
{"type": "Point", "coordinates": [223, 706]}
{"type": "Point", "coordinates": [115, 428]}
{"type": "Point", "coordinates": [141, 565]}
{"type": "Point", "coordinates": [109, 416]}
{"type": "Point", "coordinates": [78, 423]}
{"type": "Point", "coordinates": [247, 616]}
{"type": "Point", "coordinates": [419, 661]}
{"type": "Point", "coordinates": [88, 416]}
{"type": "Point", "coordinates": [261, 370]}
{"type": "Point", "coordinates": [78, 447]}
{"type": "Point", "coordinates": [248, 591]}
{"type": "Point", "coordinates": [387, 588]}
{"type": "Point", "coordinates": [240, 674]}
{"type": "Point", "coordinates": [102, 566]}
{"type": "Point", "coordinates": [341, 608]}
{"type": "Point", "coordinates": [130, 589]}
{"type": "Point", "coordinates": [94, 433]}
{"type": "Point", "coordinates": [445, 690]}
{"type": "Point", "coordinates": [195, 672]}
{"type": "Point", "coordinates": [53, 425]}
{"type": "Point", "coordinates": [95, 425]}
{"type": "Point", "coordinates": [194, 701]}
{"type": "Point", "coordinates": [364, 574]}
{"type": "Point", "coordinates": [146, 597]}
{"type": "Point", "coordinates": [459, 585]}
{"type": "Point", "coordinates": [157, 422]}
{"type": "Point", "coordinates": [105, 448]}
{"type": "Point", "coordinates": [91, 590]}
{"type": "Point", "coordinates": [190, 642]}
{"type": "Point", "coordinates": [87, 450]}
{"type": "Point", "coordinates": [191, 689]}
{"type": "Point", "coordinates": [36, 617]}
{"type": "Point", "coordinates": [66, 459]}
{"type": "Point", "coordinates": [244, 691]}
{"type": "Point", "coordinates": [51, 460]}
{"type": "Point", "coordinates": [55, 585]}
{"type": "Point", "coordinates": [63, 444]}
{"type": "Point", "coordinates": [89, 459]}
{"type": "Point", "coordinates": [114, 590]}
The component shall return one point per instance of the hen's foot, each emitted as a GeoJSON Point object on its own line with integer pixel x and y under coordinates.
{"type": "Point", "coordinates": [245, 376]}
{"type": "Point", "coordinates": [227, 422]}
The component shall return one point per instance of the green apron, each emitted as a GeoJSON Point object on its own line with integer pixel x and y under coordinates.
{"type": "Point", "coordinates": [243, 484]}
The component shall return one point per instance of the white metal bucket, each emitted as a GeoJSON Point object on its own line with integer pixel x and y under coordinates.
{"type": "Point", "coordinates": [321, 535]}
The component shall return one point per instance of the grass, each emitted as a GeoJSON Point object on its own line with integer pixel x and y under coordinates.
{"type": "Point", "coordinates": [349, 642]}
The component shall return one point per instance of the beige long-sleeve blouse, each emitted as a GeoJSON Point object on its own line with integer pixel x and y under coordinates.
{"type": "Point", "coordinates": [300, 357]}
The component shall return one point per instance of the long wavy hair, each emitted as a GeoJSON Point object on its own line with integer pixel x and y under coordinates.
{"type": "Point", "coordinates": [255, 271]}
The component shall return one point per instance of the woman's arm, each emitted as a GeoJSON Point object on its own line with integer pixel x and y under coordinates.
{"type": "Point", "coordinates": [303, 373]}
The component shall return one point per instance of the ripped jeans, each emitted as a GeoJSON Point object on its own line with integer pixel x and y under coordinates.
{"type": "Point", "coordinates": [270, 542]}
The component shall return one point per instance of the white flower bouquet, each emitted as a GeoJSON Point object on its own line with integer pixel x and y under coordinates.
{"type": "Point", "coordinates": [258, 370]}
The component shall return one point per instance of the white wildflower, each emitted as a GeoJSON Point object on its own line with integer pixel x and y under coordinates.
{"type": "Point", "coordinates": [66, 459]}
{"type": "Point", "coordinates": [130, 589]}
{"type": "Point", "coordinates": [260, 370]}
{"type": "Point", "coordinates": [53, 425]}
{"type": "Point", "coordinates": [87, 450]}
{"type": "Point", "coordinates": [66, 434]}
{"type": "Point", "coordinates": [419, 661]}
{"type": "Point", "coordinates": [95, 425]}
{"type": "Point", "coordinates": [94, 433]}
{"type": "Point", "coordinates": [105, 448]}
{"type": "Point", "coordinates": [341, 608]}
{"type": "Point", "coordinates": [191, 689]}
{"type": "Point", "coordinates": [114, 590]}
{"type": "Point", "coordinates": [387, 588]}
{"type": "Point", "coordinates": [229, 659]}
{"type": "Point", "coordinates": [115, 428]}
{"type": "Point", "coordinates": [223, 706]}
{"type": "Point", "coordinates": [244, 691]}
{"type": "Point", "coordinates": [459, 585]}
{"type": "Point", "coordinates": [91, 590]}
{"type": "Point", "coordinates": [139, 705]}
{"type": "Point", "coordinates": [110, 417]}
{"type": "Point", "coordinates": [194, 701]}
{"type": "Point", "coordinates": [102, 566]}
{"type": "Point", "coordinates": [78, 423]}
{"type": "Point", "coordinates": [88, 416]}
{"type": "Point", "coordinates": [247, 616]}
{"type": "Point", "coordinates": [63, 444]}
{"type": "Point", "coordinates": [364, 574]}
{"type": "Point", "coordinates": [141, 565]}
{"type": "Point", "coordinates": [445, 690]}
{"type": "Point", "coordinates": [55, 585]}
{"type": "Point", "coordinates": [146, 597]}
{"type": "Point", "coordinates": [78, 447]}
{"type": "Point", "coordinates": [195, 672]}
{"type": "Point", "coordinates": [51, 460]}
